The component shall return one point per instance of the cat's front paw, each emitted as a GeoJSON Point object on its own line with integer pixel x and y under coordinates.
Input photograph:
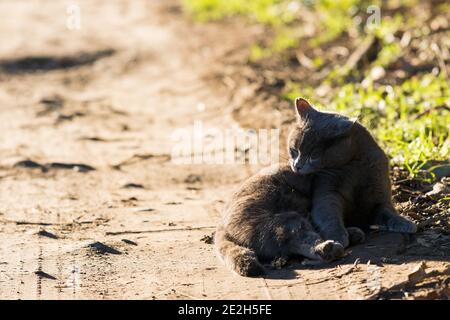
{"type": "Point", "coordinates": [339, 235]}
{"type": "Point", "coordinates": [329, 250]}
{"type": "Point", "coordinates": [401, 224]}
{"type": "Point", "coordinates": [342, 238]}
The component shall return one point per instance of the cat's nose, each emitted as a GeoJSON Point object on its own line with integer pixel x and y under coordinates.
{"type": "Point", "coordinates": [296, 168]}
{"type": "Point", "coordinates": [305, 169]}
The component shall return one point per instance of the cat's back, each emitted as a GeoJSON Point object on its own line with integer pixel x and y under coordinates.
{"type": "Point", "coordinates": [273, 189]}
{"type": "Point", "coordinates": [274, 179]}
{"type": "Point", "coordinates": [372, 166]}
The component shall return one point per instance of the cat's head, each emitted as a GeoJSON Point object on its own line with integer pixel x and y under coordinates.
{"type": "Point", "coordinates": [320, 140]}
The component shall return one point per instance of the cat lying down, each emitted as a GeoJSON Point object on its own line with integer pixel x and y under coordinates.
{"type": "Point", "coordinates": [335, 184]}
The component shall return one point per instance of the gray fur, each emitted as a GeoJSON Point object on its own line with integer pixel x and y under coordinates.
{"type": "Point", "coordinates": [351, 175]}
{"type": "Point", "coordinates": [267, 218]}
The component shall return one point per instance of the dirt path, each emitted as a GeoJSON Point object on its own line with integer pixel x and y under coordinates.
{"type": "Point", "coordinates": [124, 221]}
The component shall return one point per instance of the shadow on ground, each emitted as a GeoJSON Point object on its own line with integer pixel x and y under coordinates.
{"type": "Point", "coordinates": [381, 248]}
{"type": "Point", "coordinates": [48, 63]}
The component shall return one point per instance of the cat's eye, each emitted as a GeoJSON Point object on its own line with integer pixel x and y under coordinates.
{"type": "Point", "coordinates": [315, 156]}
{"type": "Point", "coordinates": [314, 160]}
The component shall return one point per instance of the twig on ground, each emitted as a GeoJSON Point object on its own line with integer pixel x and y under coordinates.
{"type": "Point", "coordinates": [115, 233]}
{"type": "Point", "coordinates": [140, 157]}
{"type": "Point", "coordinates": [32, 223]}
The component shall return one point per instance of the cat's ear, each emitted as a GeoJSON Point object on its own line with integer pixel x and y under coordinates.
{"type": "Point", "coordinates": [303, 108]}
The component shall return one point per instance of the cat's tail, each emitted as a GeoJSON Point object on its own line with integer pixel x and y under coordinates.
{"type": "Point", "coordinates": [240, 259]}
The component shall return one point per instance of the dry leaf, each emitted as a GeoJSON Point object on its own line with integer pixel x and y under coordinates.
{"type": "Point", "coordinates": [418, 273]}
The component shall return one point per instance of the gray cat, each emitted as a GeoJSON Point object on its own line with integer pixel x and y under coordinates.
{"type": "Point", "coordinates": [337, 181]}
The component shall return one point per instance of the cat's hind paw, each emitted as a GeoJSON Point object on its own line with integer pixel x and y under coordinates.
{"type": "Point", "coordinates": [401, 224]}
{"type": "Point", "coordinates": [356, 235]}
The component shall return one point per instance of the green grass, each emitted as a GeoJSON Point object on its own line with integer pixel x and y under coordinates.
{"type": "Point", "coordinates": [331, 18]}
{"type": "Point", "coordinates": [281, 41]}
{"type": "Point", "coordinates": [270, 12]}
{"type": "Point", "coordinates": [335, 17]}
